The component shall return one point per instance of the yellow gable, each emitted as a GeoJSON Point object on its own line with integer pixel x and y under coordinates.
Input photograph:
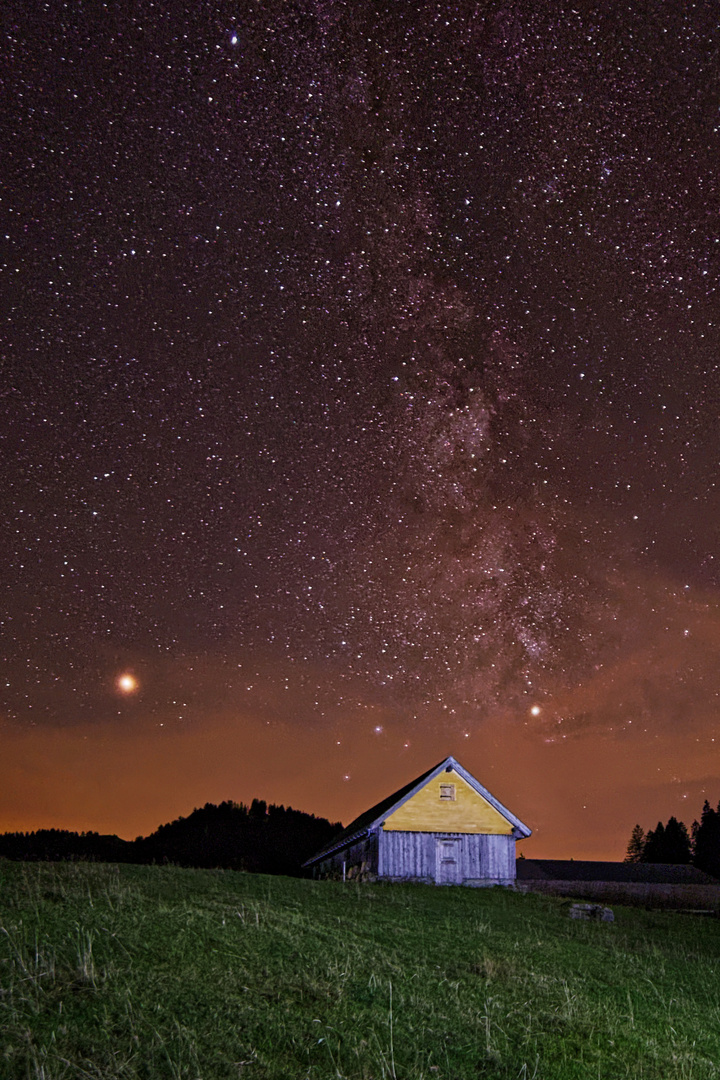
{"type": "Point", "coordinates": [448, 804]}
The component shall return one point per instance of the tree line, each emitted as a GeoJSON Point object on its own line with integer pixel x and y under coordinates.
{"type": "Point", "coordinates": [258, 838]}
{"type": "Point", "coordinates": [673, 843]}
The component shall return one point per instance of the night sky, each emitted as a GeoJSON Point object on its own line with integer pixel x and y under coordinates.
{"type": "Point", "coordinates": [360, 405]}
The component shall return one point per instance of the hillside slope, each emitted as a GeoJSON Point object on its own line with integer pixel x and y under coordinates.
{"type": "Point", "coordinates": [154, 972]}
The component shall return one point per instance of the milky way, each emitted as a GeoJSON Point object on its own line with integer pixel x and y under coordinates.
{"type": "Point", "coordinates": [363, 355]}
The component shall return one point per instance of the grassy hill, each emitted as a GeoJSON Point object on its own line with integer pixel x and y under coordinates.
{"type": "Point", "coordinates": [154, 972]}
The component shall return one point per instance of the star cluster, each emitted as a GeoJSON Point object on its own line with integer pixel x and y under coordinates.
{"type": "Point", "coordinates": [360, 368]}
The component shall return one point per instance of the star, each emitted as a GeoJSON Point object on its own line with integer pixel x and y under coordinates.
{"type": "Point", "coordinates": [127, 683]}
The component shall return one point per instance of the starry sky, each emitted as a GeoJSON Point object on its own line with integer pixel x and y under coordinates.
{"type": "Point", "coordinates": [359, 406]}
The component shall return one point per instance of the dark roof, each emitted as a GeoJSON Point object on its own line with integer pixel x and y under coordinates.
{"type": "Point", "coordinates": [373, 817]}
{"type": "Point", "coordinates": [357, 828]}
{"type": "Point", "coordinates": [579, 870]}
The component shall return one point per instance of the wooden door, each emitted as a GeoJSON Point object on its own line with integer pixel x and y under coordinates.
{"type": "Point", "coordinates": [448, 862]}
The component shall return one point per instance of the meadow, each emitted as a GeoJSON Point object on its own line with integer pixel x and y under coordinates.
{"type": "Point", "coordinates": [160, 972]}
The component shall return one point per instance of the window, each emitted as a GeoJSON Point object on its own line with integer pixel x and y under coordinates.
{"type": "Point", "coordinates": [447, 792]}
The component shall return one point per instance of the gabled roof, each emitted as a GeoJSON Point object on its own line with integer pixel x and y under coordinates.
{"type": "Point", "coordinates": [374, 817]}
{"type": "Point", "coordinates": [582, 870]}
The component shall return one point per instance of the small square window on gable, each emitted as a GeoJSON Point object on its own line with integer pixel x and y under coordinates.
{"type": "Point", "coordinates": [447, 792]}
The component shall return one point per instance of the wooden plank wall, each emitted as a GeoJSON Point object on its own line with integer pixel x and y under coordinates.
{"type": "Point", "coordinates": [414, 855]}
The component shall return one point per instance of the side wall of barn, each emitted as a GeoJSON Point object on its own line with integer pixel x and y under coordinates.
{"type": "Point", "coordinates": [413, 856]}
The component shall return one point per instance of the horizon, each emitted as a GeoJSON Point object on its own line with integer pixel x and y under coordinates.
{"type": "Point", "coordinates": [343, 802]}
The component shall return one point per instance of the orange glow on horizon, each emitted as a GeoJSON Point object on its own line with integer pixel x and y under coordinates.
{"type": "Point", "coordinates": [579, 796]}
{"type": "Point", "coordinates": [632, 742]}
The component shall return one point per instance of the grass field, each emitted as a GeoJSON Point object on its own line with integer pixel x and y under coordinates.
{"type": "Point", "coordinates": [154, 972]}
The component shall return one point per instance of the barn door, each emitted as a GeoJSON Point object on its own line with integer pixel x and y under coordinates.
{"type": "Point", "coordinates": [448, 862]}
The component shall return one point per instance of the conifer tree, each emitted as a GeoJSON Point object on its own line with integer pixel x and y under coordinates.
{"type": "Point", "coordinates": [636, 845]}
{"type": "Point", "coordinates": [676, 847]}
{"type": "Point", "coordinates": [667, 843]}
{"type": "Point", "coordinates": [706, 841]}
{"type": "Point", "coordinates": [653, 850]}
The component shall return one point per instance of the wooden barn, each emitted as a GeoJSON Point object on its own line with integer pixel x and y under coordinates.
{"type": "Point", "coordinates": [442, 827]}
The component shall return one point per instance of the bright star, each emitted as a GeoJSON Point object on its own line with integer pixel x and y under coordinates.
{"type": "Point", "coordinates": [126, 683]}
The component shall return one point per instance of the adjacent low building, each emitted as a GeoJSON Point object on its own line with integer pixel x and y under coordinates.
{"type": "Point", "coordinates": [443, 827]}
{"type": "Point", "coordinates": [664, 885]}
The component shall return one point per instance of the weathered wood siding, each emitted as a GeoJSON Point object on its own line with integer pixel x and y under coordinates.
{"type": "Point", "coordinates": [478, 859]}
{"type": "Point", "coordinates": [467, 812]}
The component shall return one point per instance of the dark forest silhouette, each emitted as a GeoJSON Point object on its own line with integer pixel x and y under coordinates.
{"type": "Point", "coordinates": [260, 838]}
{"type": "Point", "coordinates": [672, 843]}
